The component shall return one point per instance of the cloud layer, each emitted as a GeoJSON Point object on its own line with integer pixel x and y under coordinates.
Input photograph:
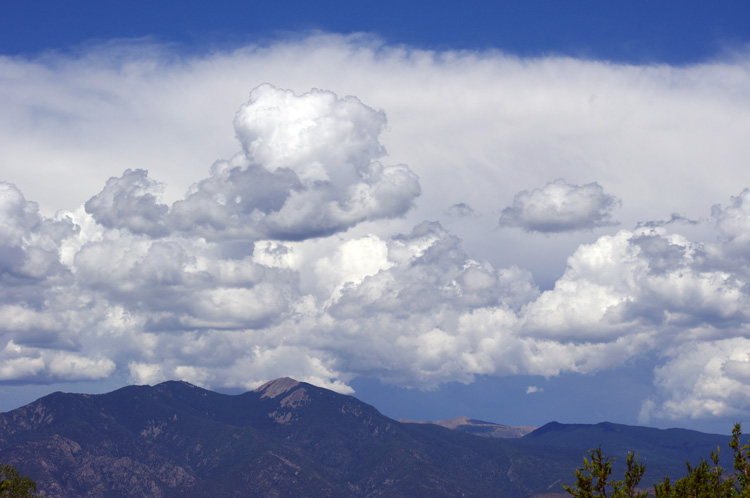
{"type": "Point", "coordinates": [312, 250]}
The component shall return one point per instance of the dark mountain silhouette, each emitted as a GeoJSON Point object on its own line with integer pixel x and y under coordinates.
{"type": "Point", "coordinates": [285, 439]}
{"type": "Point", "coordinates": [663, 451]}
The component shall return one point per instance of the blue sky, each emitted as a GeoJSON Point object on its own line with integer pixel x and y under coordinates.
{"type": "Point", "coordinates": [640, 31]}
{"type": "Point", "coordinates": [517, 212]}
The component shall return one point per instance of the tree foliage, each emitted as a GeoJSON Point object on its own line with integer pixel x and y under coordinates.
{"type": "Point", "coordinates": [705, 480]}
{"type": "Point", "coordinates": [593, 479]}
{"type": "Point", "coordinates": [14, 485]}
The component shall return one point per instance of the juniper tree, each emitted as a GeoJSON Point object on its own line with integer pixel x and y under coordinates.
{"type": "Point", "coordinates": [593, 479]}
{"type": "Point", "coordinates": [14, 485]}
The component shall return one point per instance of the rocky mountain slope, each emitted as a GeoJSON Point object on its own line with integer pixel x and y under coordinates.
{"type": "Point", "coordinates": [286, 439]}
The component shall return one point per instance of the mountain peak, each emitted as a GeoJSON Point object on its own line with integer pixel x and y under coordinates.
{"type": "Point", "coordinates": [273, 388]}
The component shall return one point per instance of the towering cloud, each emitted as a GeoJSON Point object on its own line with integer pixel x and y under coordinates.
{"type": "Point", "coordinates": [309, 168]}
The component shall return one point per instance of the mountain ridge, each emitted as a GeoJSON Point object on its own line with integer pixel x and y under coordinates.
{"type": "Point", "coordinates": [285, 439]}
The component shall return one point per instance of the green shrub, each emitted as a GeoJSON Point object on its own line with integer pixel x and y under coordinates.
{"type": "Point", "coordinates": [14, 485]}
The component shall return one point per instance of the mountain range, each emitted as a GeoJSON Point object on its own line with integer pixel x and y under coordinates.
{"type": "Point", "coordinates": [292, 439]}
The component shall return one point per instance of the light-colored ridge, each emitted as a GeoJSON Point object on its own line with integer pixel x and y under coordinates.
{"type": "Point", "coordinates": [275, 387]}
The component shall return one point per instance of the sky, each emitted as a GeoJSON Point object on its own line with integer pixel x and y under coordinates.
{"type": "Point", "coordinates": [518, 212]}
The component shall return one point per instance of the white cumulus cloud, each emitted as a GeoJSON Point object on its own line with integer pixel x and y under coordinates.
{"type": "Point", "coordinates": [559, 207]}
{"type": "Point", "coordinates": [309, 168]}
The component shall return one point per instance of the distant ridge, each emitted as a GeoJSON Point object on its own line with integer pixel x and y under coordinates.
{"type": "Point", "coordinates": [477, 427]}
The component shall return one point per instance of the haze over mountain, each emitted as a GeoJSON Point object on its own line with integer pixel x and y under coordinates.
{"type": "Point", "coordinates": [292, 439]}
